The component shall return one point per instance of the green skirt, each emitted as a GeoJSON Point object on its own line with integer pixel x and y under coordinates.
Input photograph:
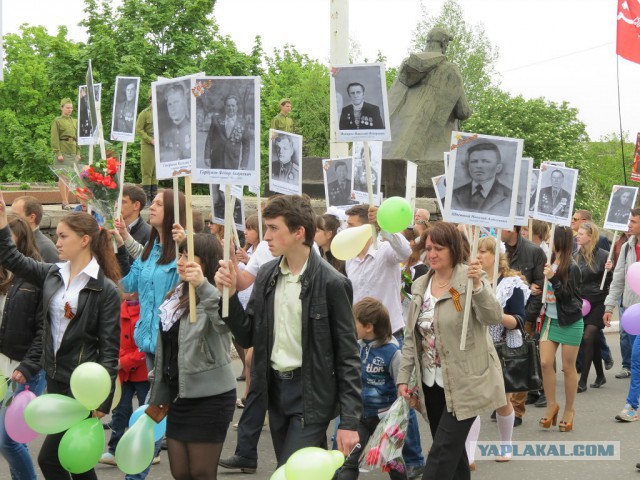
{"type": "Point", "coordinates": [568, 335]}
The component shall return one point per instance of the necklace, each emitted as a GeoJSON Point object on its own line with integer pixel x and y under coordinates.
{"type": "Point", "coordinates": [442, 285]}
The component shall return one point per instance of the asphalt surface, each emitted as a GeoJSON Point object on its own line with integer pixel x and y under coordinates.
{"type": "Point", "coordinates": [594, 421]}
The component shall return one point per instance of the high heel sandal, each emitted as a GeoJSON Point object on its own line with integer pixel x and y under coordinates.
{"type": "Point", "coordinates": [546, 422]}
{"type": "Point", "coordinates": [565, 426]}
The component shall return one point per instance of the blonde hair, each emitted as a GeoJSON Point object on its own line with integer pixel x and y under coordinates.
{"type": "Point", "coordinates": [489, 244]}
{"type": "Point", "coordinates": [587, 251]}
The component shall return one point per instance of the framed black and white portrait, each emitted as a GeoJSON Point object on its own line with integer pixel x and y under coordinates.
{"type": "Point", "coordinates": [621, 202]}
{"type": "Point", "coordinates": [533, 190]}
{"type": "Point", "coordinates": [218, 205]}
{"type": "Point", "coordinates": [484, 173]}
{"type": "Point", "coordinates": [360, 189]}
{"type": "Point", "coordinates": [360, 93]}
{"type": "Point", "coordinates": [556, 194]}
{"type": "Point", "coordinates": [172, 126]}
{"type": "Point", "coordinates": [338, 182]}
{"type": "Point", "coordinates": [285, 167]}
{"type": "Point", "coordinates": [522, 202]}
{"type": "Point", "coordinates": [125, 109]}
{"type": "Point", "coordinates": [87, 124]}
{"type": "Point", "coordinates": [440, 189]}
{"type": "Point", "coordinates": [227, 129]}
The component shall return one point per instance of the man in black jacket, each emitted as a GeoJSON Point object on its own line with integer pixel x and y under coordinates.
{"type": "Point", "coordinates": [30, 209]}
{"type": "Point", "coordinates": [529, 259]}
{"type": "Point", "coordinates": [299, 304]}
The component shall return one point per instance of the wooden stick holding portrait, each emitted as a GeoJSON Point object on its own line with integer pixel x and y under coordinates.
{"type": "Point", "coordinates": [496, 262]}
{"type": "Point", "coordinates": [367, 163]}
{"type": "Point", "coordinates": [613, 242]}
{"type": "Point", "coordinates": [259, 212]}
{"type": "Point", "coordinates": [228, 221]}
{"type": "Point", "coordinates": [123, 161]}
{"type": "Point", "coordinates": [190, 247]}
{"type": "Point", "coordinates": [176, 208]}
{"type": "Point", "coordinates": [469, 291]}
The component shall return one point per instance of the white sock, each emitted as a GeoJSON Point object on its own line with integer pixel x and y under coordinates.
{"type": "Point", "coordinates": [473, 436]}
{"type": "Point", "coordinates": [505, 427]}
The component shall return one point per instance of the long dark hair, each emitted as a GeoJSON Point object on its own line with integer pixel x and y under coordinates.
{"type": "Point", "coordinates": [101, 246]}
{"type": "Point", "coordinates": [208, 249]}
{"type": "Point", "coordinates": [168, 254]}
{"type": "Point", "coordinates": [563, 251]}
{"type": "Point", "coordinates": [26, 244]}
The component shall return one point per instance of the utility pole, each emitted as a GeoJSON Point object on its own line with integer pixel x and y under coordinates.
{"type": "Point", "coordinates": [339, 54]}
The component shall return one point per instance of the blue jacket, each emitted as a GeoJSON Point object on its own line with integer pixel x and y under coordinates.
{"type": "Point", "coordinates": [380, 365]}
{"type": "Point", "coordinates": [152, 282]}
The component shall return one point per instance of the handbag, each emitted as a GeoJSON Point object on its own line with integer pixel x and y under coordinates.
{"type": "Point", "coordinates": [520, 365]}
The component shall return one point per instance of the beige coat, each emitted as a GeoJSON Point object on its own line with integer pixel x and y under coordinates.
{"type": "Point", "coordinates": [473, 382]}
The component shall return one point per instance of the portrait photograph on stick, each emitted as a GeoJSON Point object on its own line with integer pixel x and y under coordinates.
{"type": "Point", "coordinates": [440, 189]}
{"type": "Point", "coordinates": [484, 172]}
{"type": "Point", "coordinates": [125, 109]}
{"type": "Point", "coordinates": [622, 200]}
{"type": "Point", "coordinates": [556, 194]}
{"type": "Point", "coordinates": [227, 129]}
{"type": "Point", "coordinates": [218, 205]}
{"type": "Point", "coordinates": [533, 189]}
{"type": "Point", "coordinates": [338, 182]}
{"type": "Point", "coordinates": [87, 124]}
{"type": "Point", "coordinates": [522, 203]}
{"type": "Point", "coordinates": [285, 153]}
{"type": "Point", "coordinates": [172, 126]}
{"type": "Point", "coordinates": [361, 102]}
{"type": "Point", "coordinates": [360, 190]}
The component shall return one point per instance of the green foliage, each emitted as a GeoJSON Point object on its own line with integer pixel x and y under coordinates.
{"type": "Point", "coordinates": [470, 48]}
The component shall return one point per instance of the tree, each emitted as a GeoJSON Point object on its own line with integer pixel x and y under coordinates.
{"type": "Point", "coordinates": [470, 48]}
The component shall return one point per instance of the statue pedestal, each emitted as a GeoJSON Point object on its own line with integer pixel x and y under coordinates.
{"type": "Point", "coordinates": [394, 177]}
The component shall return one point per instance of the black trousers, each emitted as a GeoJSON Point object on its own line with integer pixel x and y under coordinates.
{"type": "Point", "coordinates": [447, 459]}
{"type": "Point", "coordinates": [350, 469]}
{"type": "Point", "coordinates": [48, 457]}
{"type": "Point", "coordinates": [251, 420]}
{"type": "Point", "coordinates": [289, 432]}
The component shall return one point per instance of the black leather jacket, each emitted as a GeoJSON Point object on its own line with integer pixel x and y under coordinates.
{"type": "Point", "coordinates": [592, 278]}
{"type": "Point", "coordinates": [568, 298]}
{"type": "Point", "coordinates": [94, 333]}
{"type": "Point", "coordinates": [529, 259]}
{"type": "Point", "coordinates": [331, 367]}
{"type": "Point", "coordinates": [21, 328]}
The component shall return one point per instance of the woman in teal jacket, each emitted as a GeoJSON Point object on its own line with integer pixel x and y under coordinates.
{"type": "Point", "coordinates": [154, 273]}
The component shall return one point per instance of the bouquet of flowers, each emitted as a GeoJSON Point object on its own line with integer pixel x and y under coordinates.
{"type": "Point", "coordinates": [384, 449]}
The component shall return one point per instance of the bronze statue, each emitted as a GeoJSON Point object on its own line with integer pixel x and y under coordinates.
{"type": "Point", "coordinates": [426, 103]}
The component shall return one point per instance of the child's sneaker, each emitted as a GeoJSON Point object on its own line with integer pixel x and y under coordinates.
{"type": "Point", "coordinates": [108, 459]}
{"type": "Point", "coordinates": [628, 414]}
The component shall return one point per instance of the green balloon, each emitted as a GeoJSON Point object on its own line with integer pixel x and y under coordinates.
{"type": "Point", "coordinates": [338, 458]}
{"type": "Point", "coordinates": [135, 449]}
{"type": "Point", "coordinates": [394, 215]}
{"type": "Point", "coordinates": [81, 446]}
{"type": "Point", "coordinates": [54, 413]}
{"type": "Point", "coordinates": [90, 384]}
{"type": "Point", "coordinates": [279, 474]}
{"type": "Point", "coordinates": [4, 387]}
{"type": "Point", "coordinates": [310, 463]}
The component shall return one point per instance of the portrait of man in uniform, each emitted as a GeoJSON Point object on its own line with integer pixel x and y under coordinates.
{"type": "Point", "coordinates": [485, 192]}
{"type": "Point", "coordinates": [554, 199]}
{"type": "Point", "coordinates": [533, 189]}
{"type": "Point", "coordinates": [339, 189]}
{"type": "Point", "coordinates": [228, 142]}
{"type": "Point", "coordinates": [174, 121]}
{"type": "Point", "coordinates": [360, 114]}
{"type": "Point", "coordinates": [218, 203]}
{"type": "Point", "coordinates": [125, 106]}
{"type": "Point", "coordinates": [285, 167]}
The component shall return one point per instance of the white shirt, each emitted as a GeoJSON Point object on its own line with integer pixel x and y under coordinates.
{"type": "Point", "coordinates": [378, 275]}
{"type": "Point", "coordinates": [486, 187]}
{"type": "Point", "coordinates": [258, 258]}
{"type": "Point", "coordinates": [68, 294]}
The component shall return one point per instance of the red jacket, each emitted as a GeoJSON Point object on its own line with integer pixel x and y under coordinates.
{"type": "Point", "coordinates": [133, 366]}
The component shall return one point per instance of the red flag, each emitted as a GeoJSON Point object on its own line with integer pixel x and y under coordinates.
{"type": "Point", "coordinates": [628, 41]}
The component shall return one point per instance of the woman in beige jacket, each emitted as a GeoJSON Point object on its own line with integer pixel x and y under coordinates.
{"type": "Point", "coordinates": [453, 386]}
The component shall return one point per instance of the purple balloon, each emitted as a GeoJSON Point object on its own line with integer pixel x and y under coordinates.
{"type": "Point", "coordinates": [14, 421]}
{"type": "Point", "coordinates": [586, 307]}
{"type": "Point", "coordinates": [631, 320]}
{"type": "Point", "coordinates": [633, 277]}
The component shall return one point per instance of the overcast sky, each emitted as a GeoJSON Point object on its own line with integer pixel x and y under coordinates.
{"type": "Point", "coordinates": [563, 50]}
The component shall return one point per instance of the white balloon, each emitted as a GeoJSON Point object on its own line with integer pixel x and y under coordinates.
{"type": "Point", "coordinates": [349, 242]}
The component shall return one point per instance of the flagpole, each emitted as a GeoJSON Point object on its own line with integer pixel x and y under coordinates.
{"type": "Point", "coordinates": [624, 168]}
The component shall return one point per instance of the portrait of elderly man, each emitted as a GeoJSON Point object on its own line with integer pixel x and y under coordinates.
{"type": "Point", "coordinates": [126, 110]}
{"type": "Point", "coordinates": [228, 141]}
{"type": "Point", "coordinates": [285, 167]}
{"type": "Point", "coordinates": [360, 115]}
{"type": "Point", "coordinates": [484, 193]}
{"type": "Point", "coordinates": [554, 199]}
{"type": "Point", "coordinates": [340, 188]}
{"type": "Point", "coordinates": [175, 136]}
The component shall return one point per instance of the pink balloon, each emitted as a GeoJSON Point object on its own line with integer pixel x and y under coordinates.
{"type": "Point", "coordinates": [586, 307]}
{"type": "Point", "coordinates": [633, 277]}
{"type": "Point", "coordinates": [631, 320]}
{"type": "Point", "coordinates": [14, 422]}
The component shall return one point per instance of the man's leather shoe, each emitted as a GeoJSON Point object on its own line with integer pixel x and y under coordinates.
{"type": "Point", "coordinates": [236, 462]}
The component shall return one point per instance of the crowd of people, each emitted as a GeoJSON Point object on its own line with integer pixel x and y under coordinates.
{"type": "Point", "coordinates": [321, 339]}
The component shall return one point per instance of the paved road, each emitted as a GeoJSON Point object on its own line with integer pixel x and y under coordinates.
{"type": "Point", "coordinates": [594, 421]}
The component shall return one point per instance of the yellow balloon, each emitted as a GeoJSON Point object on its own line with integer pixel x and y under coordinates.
{"type": "Point", "coordinates": [4, 387]}
{"type": "Point", "coordinates": [337, 457]}
{"type": "Point", "coordinates": [349, 243]}
{"type": "Point", "coordinates": [117, 394]}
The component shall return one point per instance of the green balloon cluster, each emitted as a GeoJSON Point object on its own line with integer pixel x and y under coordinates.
{"type": "Point", "coordinates": [394, 215]}
{"type": "Point", "coordinates": [311, 463]}
{"type": "Point", "coordinates": [81, 446]}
